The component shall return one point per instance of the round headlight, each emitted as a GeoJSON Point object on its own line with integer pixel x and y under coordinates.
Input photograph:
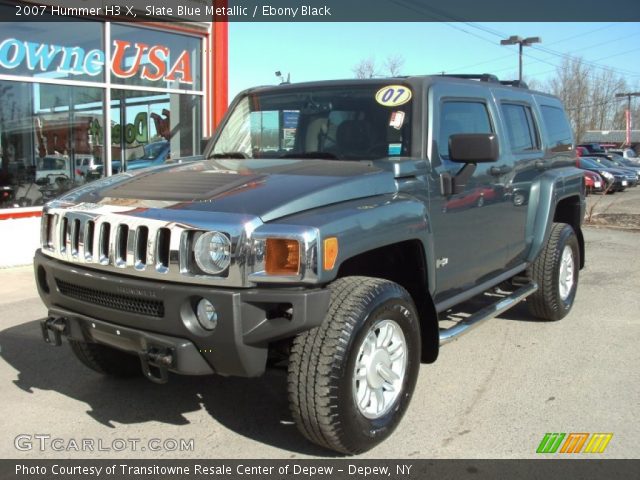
{"type": "Point", "coordinates": [213, 252]}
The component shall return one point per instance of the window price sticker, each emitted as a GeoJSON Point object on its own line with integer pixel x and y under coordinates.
{"type": "Point", "coordinates": [397, 119]}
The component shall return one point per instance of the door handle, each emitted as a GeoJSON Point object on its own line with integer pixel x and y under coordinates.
{"type": "Point", "coordinates": [501, 170]}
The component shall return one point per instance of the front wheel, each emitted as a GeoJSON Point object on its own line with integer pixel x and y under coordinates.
{"type": "Point", "coordinates": [351, 378]}
{"type": "Point", "coordinates": [556, 273]}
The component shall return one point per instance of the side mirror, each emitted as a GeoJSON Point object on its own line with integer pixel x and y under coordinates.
{"type": "Point", "coordinates": [203, 143]}
{"type": "Point", "coordinates": [474, 147]}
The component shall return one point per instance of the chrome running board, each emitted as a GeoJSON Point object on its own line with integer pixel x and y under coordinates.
{"type": "Point", "coordinates": [449, 334]}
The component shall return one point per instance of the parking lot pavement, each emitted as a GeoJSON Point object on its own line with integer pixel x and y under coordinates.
{"type": "Point", "coordinates": [621, 209]}
{"type": "Point", "coordinates": [492, 394]}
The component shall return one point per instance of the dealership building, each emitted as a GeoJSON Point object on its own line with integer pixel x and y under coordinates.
{"type": "Point", "coordinates": [80, 100]}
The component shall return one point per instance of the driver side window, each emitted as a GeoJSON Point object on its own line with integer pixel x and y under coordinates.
{"type": "Point", "coordinates": [461, 117]}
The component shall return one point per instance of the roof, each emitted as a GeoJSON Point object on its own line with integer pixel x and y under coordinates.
{"type": "Point", "coordinates": [415, 81]}
{"type": "Point", "coordinates": [609, 136]}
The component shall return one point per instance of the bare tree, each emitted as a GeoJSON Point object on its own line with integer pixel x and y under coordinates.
{"type": "Point", "coordinates": [368, 67]}
{"type": "Point", "coordinates": [393, 64]}
{"type": "Point", "coordinates": [571, 84]}
{"type": "Point", "coordinates": [588, 95]}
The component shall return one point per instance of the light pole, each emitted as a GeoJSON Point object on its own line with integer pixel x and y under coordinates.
{"type": "Point", "coordinates": [628, 113]}
{"type": "Point", "coordinates": [521, 42]}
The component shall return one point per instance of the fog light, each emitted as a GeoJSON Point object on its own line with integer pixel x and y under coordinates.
{"type": "Point", "coordinates": [207, 314]}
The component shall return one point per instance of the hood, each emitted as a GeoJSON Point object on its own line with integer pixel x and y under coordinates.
{"type": "Point", "coordinates": [267, 188]}
{"type": "Point", "coordinates": [612, 171]}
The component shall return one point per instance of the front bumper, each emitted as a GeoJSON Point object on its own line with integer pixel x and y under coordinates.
{"type": "Point", "coordinates": [141, 315]}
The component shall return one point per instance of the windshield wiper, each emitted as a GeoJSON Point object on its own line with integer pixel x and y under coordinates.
{"type": "Point", "coordinates": [321, 155]}
{"type": "Point", "coordinates": [229, 155]}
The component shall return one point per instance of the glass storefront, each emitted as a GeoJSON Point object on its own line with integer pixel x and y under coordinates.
{"type": "Point", "coordinates": [68, 91]}
{"type": "Point", "coordinates": [45, 139]}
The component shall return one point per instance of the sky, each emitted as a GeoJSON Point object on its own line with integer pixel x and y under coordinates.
{"type": "Point", "coordinates": [320, 51]}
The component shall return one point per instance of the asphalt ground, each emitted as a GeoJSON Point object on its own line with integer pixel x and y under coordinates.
{"type": "Point", "coordinates": [493, 393]}
{"type": "Point", "coordinates": [617, 210]}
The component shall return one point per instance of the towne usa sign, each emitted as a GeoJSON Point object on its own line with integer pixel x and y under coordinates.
{"type": "Point", "coordinates": [148, 62]}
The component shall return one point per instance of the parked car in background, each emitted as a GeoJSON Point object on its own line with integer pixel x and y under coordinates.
{"type": "Point", "coordinates": [87, 164]}
{"type": "Point", "coordinates": [155, 153]}
{"type": "Point", "coordinates": [51, 168]}
{"type": "Point", "coordinates": [592, 147]}
{"type": "Point", "coordinates": [582, 151]}
{"type": "Point", "coordinates": [627, 153]}
{"type": "Point", "coordinates": [593, 182]}
{"type": "Point", "coordinates": [615, 180]}
{"type": "Point", "coordinates": [622, 162]}
{"type": "Point", "coordinates": [630, 173]}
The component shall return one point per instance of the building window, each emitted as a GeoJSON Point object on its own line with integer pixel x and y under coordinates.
{"type": "Point", "coordinates": [55, 80]}
{"type": "Point", "coordinates": [53, 50]}
{"type": "Point", "coordinates": [149, 58]}
{"type": "Point", "coordinates": [47, 141]}
{"type": "Point", "coordinates": [150, 128]}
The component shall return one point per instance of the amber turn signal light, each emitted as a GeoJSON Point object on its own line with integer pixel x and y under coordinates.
{"type": "Point", "coordinates": [330, 252]}
{"type": "Point", "coordinates": [282, 256]}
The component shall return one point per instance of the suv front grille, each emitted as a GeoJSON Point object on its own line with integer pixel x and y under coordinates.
{"type": "Point", "coordinates": [123, 303]}
{"type": "Point", "coordinates": [128, 242]}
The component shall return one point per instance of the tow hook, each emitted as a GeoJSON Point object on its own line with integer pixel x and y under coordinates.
{"type": "Point", "coordinates": [156, 363]}
{"type": "Point", "coordinates": [52, 330]}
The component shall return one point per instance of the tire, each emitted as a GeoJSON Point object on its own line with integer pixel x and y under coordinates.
{"type": "Point", "coordinates": [106, 360]}
{"type": "Point", "coordinates": [324, 385]}
{"type": "Point", "coordinates": [554, 297]}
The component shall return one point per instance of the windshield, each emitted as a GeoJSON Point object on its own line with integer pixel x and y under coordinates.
{"type": "Point", "coordinates": [631, 153]}
{"type": "Point", "coordinates": [607, 163]}
{"type": "Point", "coordinates": [52, 163]}
{"type": "Point", "coordinates": [590, 163]}
{"type": "Point", "coordinates": [153, 150]}
{"type": "Point", "coordinates": [348, 122]}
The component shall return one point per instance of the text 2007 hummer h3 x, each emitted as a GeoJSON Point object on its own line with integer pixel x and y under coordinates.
{"type": "Point", "coordinates": [330, 224]}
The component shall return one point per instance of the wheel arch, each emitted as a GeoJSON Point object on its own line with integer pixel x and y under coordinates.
{"type": "Point", "coordinates": [569, 210]}
{"type": "Point", "coordinates": [387, 262]}
{"type": "Point", "coordinates": [555, 199]}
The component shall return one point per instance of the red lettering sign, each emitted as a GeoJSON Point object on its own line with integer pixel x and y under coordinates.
{"type": "Point", "coordinates": [157, 58]}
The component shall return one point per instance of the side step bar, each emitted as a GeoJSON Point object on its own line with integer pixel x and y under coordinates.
{"type": "Point", "coordinates": [449, 334]}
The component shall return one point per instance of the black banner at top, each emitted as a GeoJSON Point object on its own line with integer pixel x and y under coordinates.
{"type": "Point", "coordinates": [323, 10]}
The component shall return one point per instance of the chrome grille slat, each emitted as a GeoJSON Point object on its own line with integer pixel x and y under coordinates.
{"type": "Point", "coordinates": [151, 248]}
{"type": "Point", "coordinates": [140, 247]}
{"type": "Point", "coordinates": [63, 235]}
{"type": "Point", "coordinates": [103, 243]}
{"type": "Point", "coordinates": [120, 245]}
{"type": "Point", "coordinates": [74, 236]}
{"type": "Point", "coordinates": [88, 241]}
{"type": "Point", "coordinates": [163, 249]}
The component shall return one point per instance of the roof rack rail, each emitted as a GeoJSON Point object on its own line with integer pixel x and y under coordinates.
{"type": "Point", "coordinates": [483, 77]}
{"type": "Point", "coordinates": [515, 83]}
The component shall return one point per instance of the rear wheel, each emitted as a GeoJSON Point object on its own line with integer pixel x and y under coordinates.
{"type": "Point", "coordinates": [351, 378]}
{"type": "Point", "coordinates": [556, 272]}
{"type": "Point", "coordinates": [106, 360]}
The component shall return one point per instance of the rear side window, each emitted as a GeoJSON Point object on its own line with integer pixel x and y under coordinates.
{"type": "Point", "coordinates": [461, 117]}
{"type": "Point", "coordinates": [521, 128]}
{"type": "Point", "coordinates": [560, 135]}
